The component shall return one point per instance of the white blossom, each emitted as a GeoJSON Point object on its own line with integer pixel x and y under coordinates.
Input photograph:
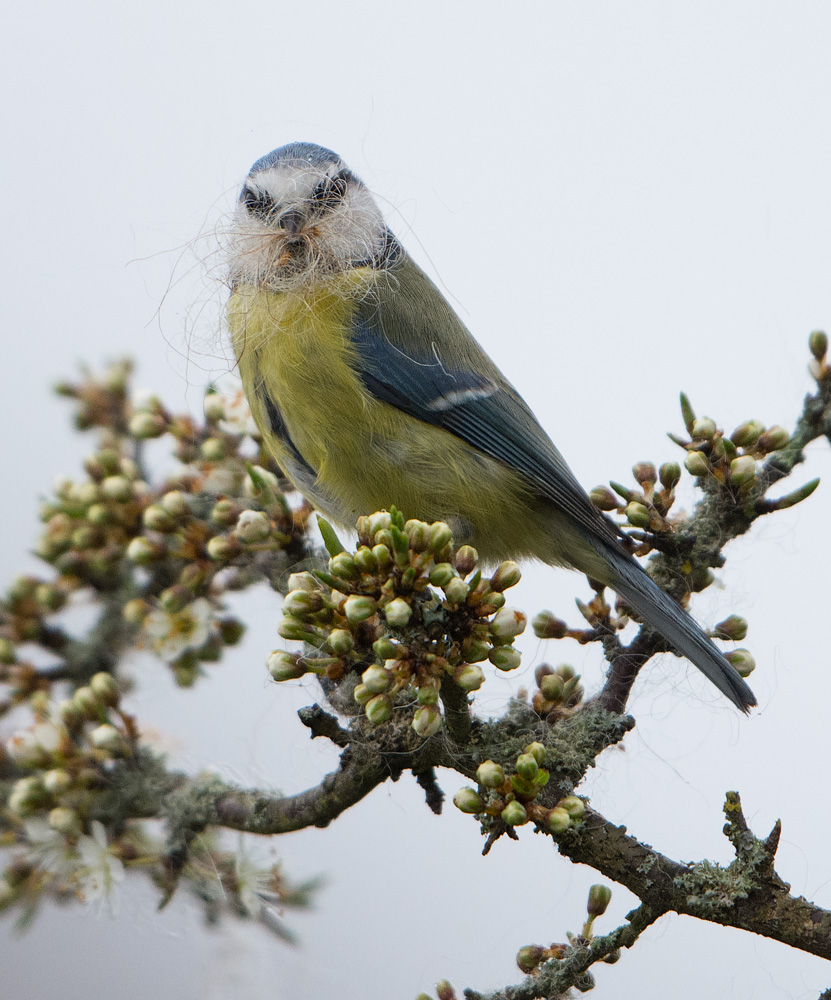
{"type": "Point", "coordinates": [174, 632]}
{"type": "Point", "coordinates": [98, 871]}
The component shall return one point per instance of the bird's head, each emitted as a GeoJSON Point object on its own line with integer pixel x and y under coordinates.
{"type": "Point", "coordinates": [302, 216]}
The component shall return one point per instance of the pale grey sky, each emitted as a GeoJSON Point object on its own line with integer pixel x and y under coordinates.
{"type": "Point", "coordinates": [622, 200]}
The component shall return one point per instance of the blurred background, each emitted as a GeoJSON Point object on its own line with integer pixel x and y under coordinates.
{"type": "Point", "coordinates": [621, 201]}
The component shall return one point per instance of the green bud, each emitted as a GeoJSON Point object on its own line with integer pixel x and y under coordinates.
{"type": "Point", "coordinates": [380, 521]}
{"type": "Point", "coordinates": [65, 821]}
{"type": "Point", "coordinates": [358, 608]}
{"type": "Point", "coordinates": [505, 657]}
{"type": "Point", "coordinates": [362, 694]}
{"type": "Point", "coordinates": [537, 751]}
{"type": "Point", "coordinates": [551, 686]}
{"type": "Point", "coordinates": [573, 805]}
{"type": "Point", "coordinates": [440, 536]}
{"type": "Point", "coordinates": [105, 688]}
{"type": "Point", "coordinates": [284, 666]}
{"type": "Point", "coordinates": [428, 694]}
{"type": "Point", "coordinates": [225, 513]}
{"type": "Point", "coordinates": [456, 591]}
{"type": "Point", "coordinates": [637, 514]}
{"type": "Point", "coordinates": [670, 475]}
{"type": "Point", "coordinates": [252, 527]}
{"type": "Point", "coordinates": [427, 721]}
{"type": "Point", "coordinates": [514, 814]}
{"type": "Point", "coordinates": [773, 439]}
{"type": "Point", "coordinates": [599, 898]}
{"type": "Point", "coordinates": [108, 739]}
{"type": "Point", "coordinates": [733, 627]}
{"type": "Point", "coordinates": [489, 774]}
{"type": "Point", "coordinates": [743, 661]}
{"type": "Point", "coordinates": [376, 679]}
{"type": "Point", "coordinates": [477, 651]}
{"type": "Point", "coordinates": [468, 801]}
{"type": "Point", "coordinates": [57, 781]}
{"type": "Point", "coordinates": [687, 413]}
{"type": "Point", "coordinates": [344, 566]}
{"type": "Point", "coordinates": [379, 709]}
{"type": "Point", "coordinates": [301, 581]}
{"type": "Point", "coordinates": [26, 795]}
{"type": "Point", "coordinates": [507, 623]}
{"type": "Point", "coordinates": [49, 597]}
{"type": "Point", "coordinates": [747, 434]}
{"type": "Point", "coordinates": [469, 676]}
{"type": "Point", "coordinates": [558, 820]}
{"type": "Point", "coordinates": [117, 488]}
{"type": "Point", "coordinates": [548, 626]}
{"type": "Point", "coordinates": [529, 957]}
{"type": "Point", "coordinates": [223, 548]}
{"type": "Point", "coordinates": [383, 556]}
{"type": "Point", "coordinates": [135, 611]}
{"type": "Point", "coordinates": [72, 715]}
{"type": "Point", "coordinates": [742, 470]}
{"type": "Point", "coordinates": [527, 766]}
{"type": "Point", "coordinates": [143, 552]}
{"type": "Point", "coordinates": [397, 613]}
{"type": "Point", "coordinates": [295, 630]}
{"type": "Point", "coordinates": [213, 450]}
{"type": "Point", "coordinates": [818, 344]}
{"type": "Point", "coordinates": [507, 574]}
{"type": "Point", "coordinates": [441, 574]}
{"type": "Point", "coordinates": [340, 641]}
{"type": "Point", "coordinates": [696, 463]}
{"type": "Point", "coordinates": [466, 559]}
{"type": "Point", "coordinates": [147, 425]}
{"type": "Point", "coordinates": [214, 407]}
{"type": "Point", "coordinates": [365, 560]}
{"type": "Point", "coordinates": [302, 603]}
{"type": "Point", "coordinates": [231, 630]}
{"type": "Point", "coordinates": [644, 473]}
{"type": "Point", "coordinates": [87, 702]}
{"type": "Point", "coordinates": [603, 498]}
{"type": "Point", "coordinates": [8, 653]}
{"type": "Point", "coordinates": [418, 535]}
{"type": "Point", "coordinates": [385, 649]}
{"type": "Point", "coordinates": [703, 429]}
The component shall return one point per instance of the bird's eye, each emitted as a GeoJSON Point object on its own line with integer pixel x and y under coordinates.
{"type": "Point", "coordinates": [330, 190]}
{"type": "Point", "coordinates": [257, 203]}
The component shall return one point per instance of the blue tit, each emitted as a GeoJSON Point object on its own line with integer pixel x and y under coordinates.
{"type": "Point", "coordinates": [369, 391]}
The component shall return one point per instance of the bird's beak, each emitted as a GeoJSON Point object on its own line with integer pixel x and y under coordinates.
{"type": "Point", "coordinates": [291, 222]}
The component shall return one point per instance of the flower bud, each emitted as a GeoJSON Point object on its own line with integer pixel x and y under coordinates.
{"type": "Point", "coordinates": [477, 651]}
{"type": "Point", "coordinates": [468, 801]}
{"type": "Point", "coordinates": [225, 513]}
{"type": "Point", "coordinates": [147, 425]}
{"type": "Point", "coordinates": [301, 603]}
{"type": "Point", "coordinates": [818, 344]}
{"type": "Point", "coordinates": [637, 514]}
{"type": "Point", "coordinates": [703, 428]}
{"type": "Point", "coordinates": [344, 566]}
{"type": "Point", "coordinates": [466, 559]}
{"type": "Point", "coordinates": [574, 806]}
{"type": "Point", "coordinates": [57, 781]}
{"type": "Point", "coordinates": [489, 774]}
{"type": "Point", "coordinates": [440, 536]}
{"type": "Point", "coordinates": [379, 521]}
{"type": "Point", "coordinates": [441, 574]}
{"type": "Point", "coordinates": [773, 439]}
{"type": "Point", "coordinates": [296, 630]}
{"type": "Point", "coordinates": [670, 474]}
{"type": "Point", "coordinates": [87, 701]}
{"type": "Point", "coordinates": [508, 574]}
{"type": "Point", "coordinates": [548, 626]}
{"type": "Point", "coordinates": [358, 608]}
{"type": "Point", "coordinates": [507, 623]}
{"type": "Point", "coordinates": [376, 679]}
{"type": "Point", "coordinates": [418, 535]}
{"type": "Point", "coordinates": [156, 518]}
{"type": "Point", "coordinates": [734, 627]}
{"type": "Point", "coordinates": [108, 739]}
{"type": "Point", "coordinates": [117, 488]}
{"type": "Point", "coordinates": [537, 751]}
{"type": "Point", "coordinates": [428, 694]}
{"type": "Point", "coordinates": [385, 649]}
{"type": "Point", "coordinates": [743, 661]}
{"type": "Point", "coordinates": [603, 498]}
{"type": "Point", "coordinates": [599, 898]}
{"type": "Point", "coordinates": [213, 406]}
{"type": "Point", "coordinates": [469, 676]}
{"type": "Point", "coordinates": [514, 814]}
{"type": "Point", "coordinates": [427, 721]}
{"type": "Point", "coordinates": [72, 715]}
{"type": "Point", "coordinates": [65, 821]}
{"type": "Point", "coordinates": [398, 613]}
{"type": "Point", "coordinates": [284, 666]}
{"type": "Point", "coordinates": [231, 630]}
{"type": "Point", "coordinates": [213, 450]}
{"type": "Point", "coordinates": [383, 557]}
{"type": "Point", "coordinates": [558, 820]}
{"type": "Point", "coordinates": [644, 473]}
{"type": "Point", "coordinates": [340, 641]}
{"type": "Point", "coordinates": [456, 590]}
{"type": "Point", "coordinates": [362, 694]}
{"type": "Point", "coordinates": [105, 687]}
{"type": "Point", "coordinates": [696, 463]}
{"type": "Point", "coordinates": [253, 526]}
{"type": "Point", "coordinates": [223, 548]}
{"type": "Point", "coordinates": [526, 766]}
{"type": "Point", "coordinates": [742, 470]}
{"type": "Point", "coordinates": [379, 709]}
{"type": "Point", "coordinates": [747, 434]}
{"type": "Point", "coordinates": [505, 657]}
{"type": "Point", "coordinates": [143, 552]}
{"type": "Point", "coordinates": [26, 795]}
{"type": "Point", "coordinates": [529, 957]}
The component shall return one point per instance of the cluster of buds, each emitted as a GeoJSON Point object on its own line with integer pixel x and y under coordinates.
{"type": "Point", "coordinates": [647, 506]}
{"type": "Point", "coordinates": [558, 692]}
{"type": "Point", "coordinates": [512, 797]}
{"type": "Point", "coordinates": [532, 956]}
{"type": "Point", "coordinates": [67, 753]}
{"type": "Point", "coordinates": [405, 611]}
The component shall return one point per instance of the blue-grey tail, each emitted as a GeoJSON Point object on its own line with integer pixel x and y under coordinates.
{"type": "Point", "coordinates": [660, 611]}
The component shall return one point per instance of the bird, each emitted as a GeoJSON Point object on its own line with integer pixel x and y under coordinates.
{"type": "Point", "coordinates": [369, 391]}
